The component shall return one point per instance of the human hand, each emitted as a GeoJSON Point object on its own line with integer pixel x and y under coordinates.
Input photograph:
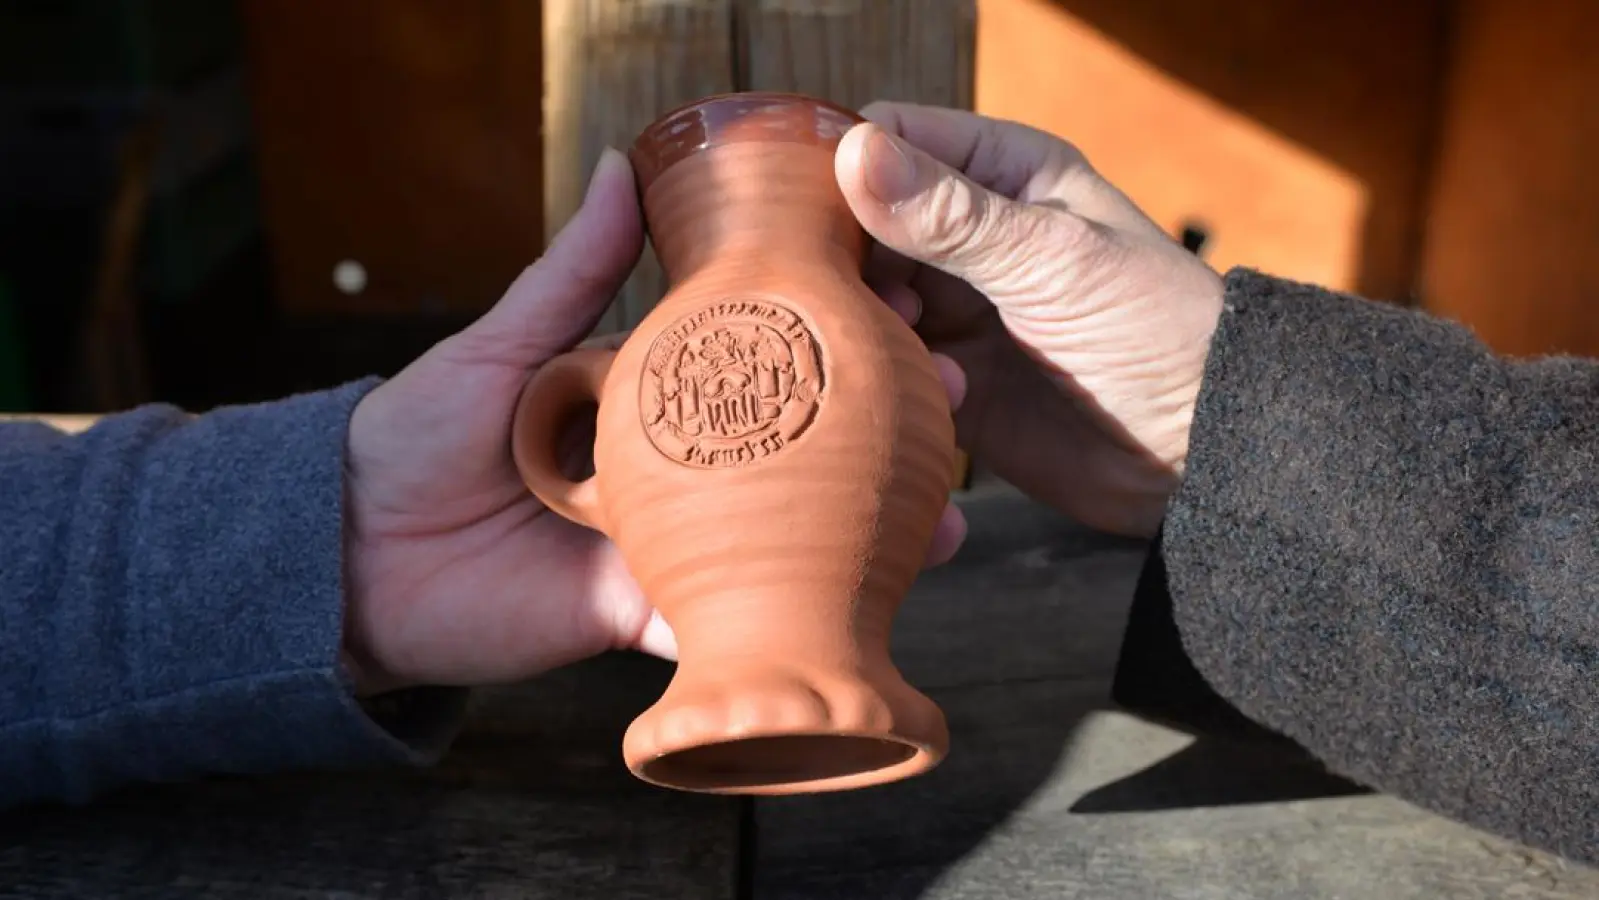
{"type": "Point", "coordinates": [1082, 328]}
{"type": "Point", "coordinates": [457, 575]}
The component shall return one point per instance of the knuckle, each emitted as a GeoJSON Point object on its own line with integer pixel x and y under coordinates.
{"type": "Point", "coordinates": [952, 216]}
{"type": "Point", "coordinates": [1068, 155]}
{"type": "Point", "coordinates": [1026, 248]}
{"type": "Point", "coordinates": [609, 341]}
{"type": "Point", "coordinates": [1073, 235]}
{"type": "Point", "coordinates": [582, 272]}
{"type": "Point", "coordinates": [888, 115]}
{"type": "Point", "coordinates": [1036, 250]}
{"type": "Point", "coordinates": [878, 110]}
{"type": "Point", "coordinates": [1067, 174]}
{"type": "Point", "coordinates": [482, 345]}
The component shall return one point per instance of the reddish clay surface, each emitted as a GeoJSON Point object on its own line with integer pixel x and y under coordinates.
{"type": "Point", "coordinates": [774, 448]}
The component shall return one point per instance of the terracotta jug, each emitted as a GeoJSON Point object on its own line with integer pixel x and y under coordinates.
{"type": "Point", "coordinates": [773, 450]}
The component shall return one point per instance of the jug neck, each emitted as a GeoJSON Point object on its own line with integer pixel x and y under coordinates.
{"type": "Point", "coordinates": [772, 202]}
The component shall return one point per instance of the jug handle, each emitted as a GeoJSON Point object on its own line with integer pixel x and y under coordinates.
{"type": "Point", "coordinates": [546, 404]}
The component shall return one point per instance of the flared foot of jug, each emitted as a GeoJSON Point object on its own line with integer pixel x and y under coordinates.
{"type": "Point", "coordinates": [774, 731]}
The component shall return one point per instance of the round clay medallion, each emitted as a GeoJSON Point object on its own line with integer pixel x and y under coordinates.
{"type": "Point", "coordinates": [731, 383]}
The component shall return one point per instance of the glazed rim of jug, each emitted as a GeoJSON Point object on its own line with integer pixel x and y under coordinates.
{"type": "Point", "coordinates": [715, 120]}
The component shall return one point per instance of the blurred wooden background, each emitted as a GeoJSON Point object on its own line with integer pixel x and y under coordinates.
{"type": "Point", "coordinates": [1431, 151]}
{"type": "Point", "coordinates": [1434, 152]}
{"type": "Point", "coordinates": [342, 183]}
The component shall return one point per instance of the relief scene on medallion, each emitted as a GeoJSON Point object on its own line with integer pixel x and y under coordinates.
{"type": "Point", "coordinates": [730, 392]}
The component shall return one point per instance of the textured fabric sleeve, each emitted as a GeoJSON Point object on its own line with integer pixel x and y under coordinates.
{"type": "Point", "coordinates": [172, 602]}
{"type": "Point", "coordinates": [1386, 548]}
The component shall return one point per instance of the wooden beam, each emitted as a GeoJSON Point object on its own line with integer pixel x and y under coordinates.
{"type": "Point", "coordinates": [855, 51]}
{"type": "Point", "coordinates": [562, 109]}
{"type": "Point", "coordinates": [611, 67]}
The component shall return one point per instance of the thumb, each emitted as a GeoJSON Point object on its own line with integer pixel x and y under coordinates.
{"type": "Point", "coordinates": [558, 299]}
{"type": "Point", "coordinates": [929, 212]}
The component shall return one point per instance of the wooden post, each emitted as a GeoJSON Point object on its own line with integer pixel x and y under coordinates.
{"type": "Point", "coordinates": [611, 67]}
{"type": "Point", "coordinates": [855, 51]}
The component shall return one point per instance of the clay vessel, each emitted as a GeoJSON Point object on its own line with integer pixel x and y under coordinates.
{"type": "Point", "coordinates": [773, 450]}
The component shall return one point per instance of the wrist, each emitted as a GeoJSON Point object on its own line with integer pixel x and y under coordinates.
{"type": "Point", "coordinates": [1205, 306]}
{"type": "Point", "coordinates": [1181, 428]}
{"type": "Point", "coordinates": [368, 678]}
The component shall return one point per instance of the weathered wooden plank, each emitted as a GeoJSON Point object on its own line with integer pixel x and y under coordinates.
{"type": "Point", "coordinates": [562, 29]}
{"type": "Point", "coordinates": [613, 66]}
{"type": "Point", "coordinates": [855, 51]}
{"type": "Point", "coordinates": [1031, 595]}
{"type": "Point", "coordinates": [1046, 794]}
{"type": "Point", "coordinates": [533, 802]}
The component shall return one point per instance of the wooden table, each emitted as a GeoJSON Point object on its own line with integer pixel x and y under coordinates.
{"type": "Point", "coordinates": [1049, 792]}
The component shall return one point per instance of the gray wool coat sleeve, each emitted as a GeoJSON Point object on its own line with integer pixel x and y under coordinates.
{"type": "Point", "coordinates": [171, 596]}
{"type": "Point", "coordinates": [1386, 550]}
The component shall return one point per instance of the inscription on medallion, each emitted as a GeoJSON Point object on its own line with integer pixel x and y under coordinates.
{"type": "Point", "coordinates": [730, 384]}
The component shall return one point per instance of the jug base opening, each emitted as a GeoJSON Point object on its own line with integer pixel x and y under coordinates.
{"type": "Point", "coordinates": [747, 725]}
{"type": "Point", "coordinates": [787, 763]}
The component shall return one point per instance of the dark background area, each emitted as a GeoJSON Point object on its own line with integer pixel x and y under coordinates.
{"type": "Point", "coordinates": [192, 270]}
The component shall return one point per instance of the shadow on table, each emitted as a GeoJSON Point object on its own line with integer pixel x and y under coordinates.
{"type": "Point", "coordinates": [1218, 772]}
{"type": "Point", "coordinates": [1232, 760]}
{"type": "Point", "coordinates": [896, 841]}
{"type": "Point", "coordinates": [1017, 642]}
{"type": "Point", "coordinates": [1008, 774]}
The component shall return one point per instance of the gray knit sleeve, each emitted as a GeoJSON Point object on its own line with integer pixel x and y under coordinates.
{"type": "Point", "coordinates": [171, 591]}
{"type": "Point", "coordinates": [1386, 548]}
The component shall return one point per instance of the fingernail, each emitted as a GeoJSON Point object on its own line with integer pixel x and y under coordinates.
{"type": "Point", "coordinates": [890, 170]}
{"type": "Point", "coordinates": [610, 158]}
{"type": "Point", "coordinates": [658, 638]}
{"type": "Point", "coordinates": [906, 303]}
{"type": "Point", "coordinates": [948, 536]}
{"type": "Point", "coordinates": [954, 378]}
{"type": "Point", "coordinates": [913, 308]}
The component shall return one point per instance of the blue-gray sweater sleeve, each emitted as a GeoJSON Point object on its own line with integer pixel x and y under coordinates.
{"type": "Point", "coordinates": [172, 603]}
